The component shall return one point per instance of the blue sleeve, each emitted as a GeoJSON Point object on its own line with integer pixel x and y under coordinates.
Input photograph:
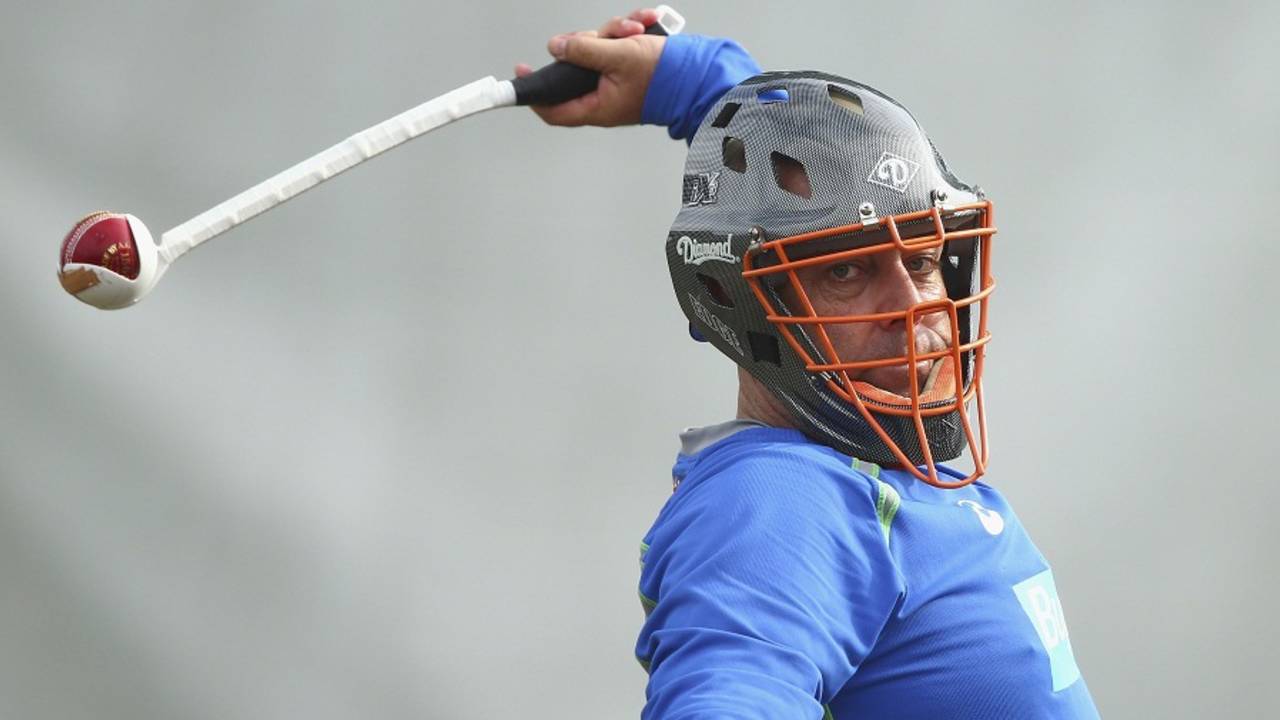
{"type": "Point", "coordinates": [693, 72]}
{"type": "Point", "coordinates": [765, 588]}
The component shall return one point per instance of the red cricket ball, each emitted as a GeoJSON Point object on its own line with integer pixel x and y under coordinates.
{"type": "Point", "coordinates": [105, 240]}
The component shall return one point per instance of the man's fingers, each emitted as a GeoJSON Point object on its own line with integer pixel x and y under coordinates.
{"type": "Point", "coordinates": [522, 69]}
{"type": "Point", "coordinates": [588, 51]}
{"type": "Point", "coordinates": [633, 24]}
{"type": "Point", "coordinates": [571, 113]}
{"type": "Point", "coordinates": [644, 16]}
{"type": "Point", "coordinates": [556, 45]}
{"type": "Point", "coordinates": [620, 27]}
{"type": "Point", "coordinates": [611, 26]}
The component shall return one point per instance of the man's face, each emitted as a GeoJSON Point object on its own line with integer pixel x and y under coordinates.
{"type": "Point", "coordinates": [884, 282]}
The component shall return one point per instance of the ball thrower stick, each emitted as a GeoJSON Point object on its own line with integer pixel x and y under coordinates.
{"type": "Point", "coordinates": [110, 260]}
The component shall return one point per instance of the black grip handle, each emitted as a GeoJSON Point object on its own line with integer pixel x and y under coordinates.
{"type": "Point", "coordinates": [560, 81]}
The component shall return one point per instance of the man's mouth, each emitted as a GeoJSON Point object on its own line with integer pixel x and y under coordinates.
{"type": "Point", "coordinates": [897, 378]}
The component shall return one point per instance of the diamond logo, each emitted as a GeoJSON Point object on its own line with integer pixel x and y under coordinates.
{"type": "Point", "coordinates": [893, 171]}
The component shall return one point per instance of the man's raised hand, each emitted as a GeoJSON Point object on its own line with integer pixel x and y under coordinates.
{"type": "Point", "coordinates": [625, 58]}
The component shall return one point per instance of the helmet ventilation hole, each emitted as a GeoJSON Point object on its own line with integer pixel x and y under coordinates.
{"type": "Point", "coordinates": [714, 289]}
{"type": "Point", "coordinates": [726, 114]}
{"type": "Point", "coordinates": [735, 154]}
{"type": "Point", "coordinates": [791, 175]}
{"type": "Point", "coordinates": [845, 99]}
{"type": "Point", "coordinates": [764, 348]}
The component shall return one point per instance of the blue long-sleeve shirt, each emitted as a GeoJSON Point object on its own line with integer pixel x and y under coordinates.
{"type": "Point", "coordinates": [783, 579]}
{"type": "Point", "coordinates": [693, 72]}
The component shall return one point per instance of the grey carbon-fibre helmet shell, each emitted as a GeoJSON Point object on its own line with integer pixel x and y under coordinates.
{"type": "Point", "coordinates": [844, 153]}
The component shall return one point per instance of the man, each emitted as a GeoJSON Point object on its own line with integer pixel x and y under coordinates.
{"type": "Point", "coordinates": [816, 559]}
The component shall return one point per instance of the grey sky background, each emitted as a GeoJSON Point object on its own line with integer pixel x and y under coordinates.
{"type": "Point", "coordinates": [388, 450]}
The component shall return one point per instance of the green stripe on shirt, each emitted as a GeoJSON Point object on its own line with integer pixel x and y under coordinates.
{"type": "Point", "coordinates": [887, 503]}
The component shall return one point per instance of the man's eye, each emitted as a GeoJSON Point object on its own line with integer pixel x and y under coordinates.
{"type": "Point", "coordinates": [844, 271]}
{"type": "Point", "coordinates": [922, 264]}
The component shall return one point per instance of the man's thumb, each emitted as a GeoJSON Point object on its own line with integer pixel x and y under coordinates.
{"type": "Point", "coordinates": [589, 52]}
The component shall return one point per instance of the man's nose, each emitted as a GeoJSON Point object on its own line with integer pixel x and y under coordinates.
{"type": "Point", "coordinates": [895, 291]}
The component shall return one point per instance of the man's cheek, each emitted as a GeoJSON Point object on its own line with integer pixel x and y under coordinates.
{"type": "Point", "coordinates": [934, 288]}
{"type": "Point", "coordinates": [940, 325]}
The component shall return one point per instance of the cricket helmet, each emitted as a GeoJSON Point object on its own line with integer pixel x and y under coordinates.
{"type": "Point", "coordinates": [792, 170]}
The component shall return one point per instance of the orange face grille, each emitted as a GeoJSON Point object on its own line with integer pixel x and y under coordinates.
{"type": "Point", "coordinates": [945, 391]}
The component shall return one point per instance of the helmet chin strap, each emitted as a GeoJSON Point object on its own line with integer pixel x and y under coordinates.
{"type": "Point", "coordinates": [932, 378]}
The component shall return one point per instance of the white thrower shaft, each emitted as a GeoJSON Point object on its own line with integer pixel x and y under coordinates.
{"type": "Point", "coordinates": [484, 94]}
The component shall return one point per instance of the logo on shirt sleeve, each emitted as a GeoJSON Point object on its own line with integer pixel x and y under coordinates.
{"type": "Point", "coordinates": [990, 519]}
{"type": "Point", "coordinates": [1039, 598]}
